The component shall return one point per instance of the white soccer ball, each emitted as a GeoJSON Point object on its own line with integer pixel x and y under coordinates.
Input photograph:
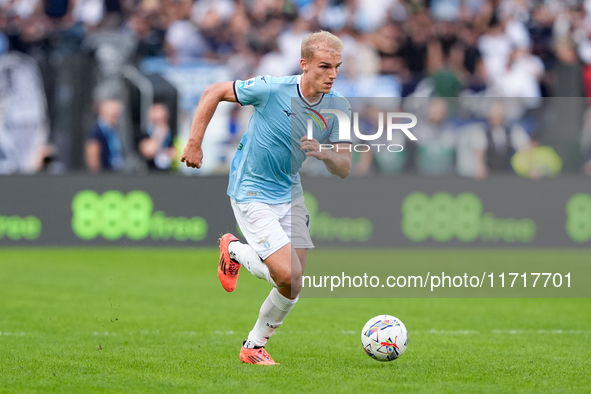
{"type": "Point", "coordinates": [384, 338]}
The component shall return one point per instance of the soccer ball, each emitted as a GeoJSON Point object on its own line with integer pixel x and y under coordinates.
{"type": "Point", "coordinates": [384, 338]}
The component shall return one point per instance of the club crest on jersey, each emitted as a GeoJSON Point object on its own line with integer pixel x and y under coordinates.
{"type": "Point", "coordinates": [247, 84]}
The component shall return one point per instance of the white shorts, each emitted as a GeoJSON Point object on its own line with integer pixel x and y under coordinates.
{"type": "Point", "coordinates": [269, 227]}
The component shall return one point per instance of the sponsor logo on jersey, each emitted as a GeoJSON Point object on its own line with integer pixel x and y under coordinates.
{"type": "Point", "coordinates": [247, 84]}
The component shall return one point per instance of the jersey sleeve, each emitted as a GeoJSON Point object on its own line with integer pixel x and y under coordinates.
{"type": "Point", "coordinates": [342, 104]}
{"type": "Point", "coordinates": [254, 91]}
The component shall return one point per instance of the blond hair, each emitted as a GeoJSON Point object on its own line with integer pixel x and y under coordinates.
{"type": "Point", "coordinates": [313, 41]}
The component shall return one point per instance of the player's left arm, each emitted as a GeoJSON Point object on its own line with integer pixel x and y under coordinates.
{"type": "Point", "coordinates": [337, 160]}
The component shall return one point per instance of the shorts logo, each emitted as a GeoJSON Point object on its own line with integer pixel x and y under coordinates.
{"type": "Point", "coordinates": [265, 242]}
{"type": "Point", "coordinates": [247, 84]}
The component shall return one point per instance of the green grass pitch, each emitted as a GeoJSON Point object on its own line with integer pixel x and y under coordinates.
{"type": "Point", "coordinates": [157, 320]}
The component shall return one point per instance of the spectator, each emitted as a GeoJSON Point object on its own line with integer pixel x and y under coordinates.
{"type": "Point", "coordinates": [103, 147]}
{"type": "Point", "coordinates": [183, 41]}
{"type": "Point", "coordinates": [568, 71]}
{"type": "Point", "coordinates": [495, 47]}
{"type": "Point", "coordinates": [444, 70]}
{"type": "Point", "coordinates": [385, 162]}
{"type": "Point", "coordinates": [387, 42]}
{"type": "Point", "coordinates": [496, 142]}
{"type": "Point", "coordinates": [586, 142]}
{"type": "Point", "coordinates": [24, 126]}
{"type": "Point", "coordinates": [274, 61]}
{"type": "Point", "coordinates": [150, 37]}
{"type": "Point", "coordinates": [289, 44]}
{"type": "Point", "coordinates": [414, 50]}
{"type": "Point", "coordinates": [472, 60]}
{"type": "Point", "coordinates": [587, 165]}
{"type": "Point", "coordinates": [436, 140]}
{"type": "Point", "coordinates": [157, 143]}
{"type": "Point", "coordinates": [522, 77]}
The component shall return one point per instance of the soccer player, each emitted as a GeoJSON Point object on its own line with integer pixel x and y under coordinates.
{"type": "Point", "coordinates": [265, 191]}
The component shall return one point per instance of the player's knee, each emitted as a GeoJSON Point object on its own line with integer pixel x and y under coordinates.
{"type": "Point", "coordinates": [296, 287]}
{"type": "Point", "coordinates": [284, 281]}
{"type": "Point", "coordinates": [287, 277]}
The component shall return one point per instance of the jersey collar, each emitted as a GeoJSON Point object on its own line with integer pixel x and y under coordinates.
{"type": "Point", "coordinates": [303, 98]}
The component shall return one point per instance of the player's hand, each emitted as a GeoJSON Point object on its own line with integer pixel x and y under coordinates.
{"type": "Point", "coordinates": [192, 156]}
{"type": "Point", "coordinates": [312, 147]}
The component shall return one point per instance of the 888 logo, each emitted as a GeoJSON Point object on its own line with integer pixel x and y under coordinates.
{"type": "Point", "coordinates": [578, 217]}
{"type": "Point", "coordinates": [441, 216]}
{"type": "Point", "coordinates": [112, 214]}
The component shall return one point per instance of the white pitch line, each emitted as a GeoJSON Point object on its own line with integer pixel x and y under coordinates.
{"type": "Point", "coordinates": [432, 331]}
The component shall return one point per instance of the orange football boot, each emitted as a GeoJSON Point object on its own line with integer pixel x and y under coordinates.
{"type": "Point", "coordinates": [257, 356]}
{"type": "Point", "coordinates": [228, 267]}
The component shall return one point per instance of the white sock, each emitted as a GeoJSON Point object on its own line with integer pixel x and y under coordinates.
{"type": "Point", "coordinates": [273, 311]}
{"type": "Point", "coordinates": [249, 259]}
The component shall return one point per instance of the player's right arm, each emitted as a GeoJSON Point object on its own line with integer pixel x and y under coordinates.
{"type": "Point", "coordinates": [213, 95]}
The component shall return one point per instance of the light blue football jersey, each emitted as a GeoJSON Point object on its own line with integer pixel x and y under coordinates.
{"type": "Point", "coordinates": [266, 164]}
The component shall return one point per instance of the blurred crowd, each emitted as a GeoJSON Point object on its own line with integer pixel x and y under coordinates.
{"type": "Point", "coordinates": [434, 48]}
